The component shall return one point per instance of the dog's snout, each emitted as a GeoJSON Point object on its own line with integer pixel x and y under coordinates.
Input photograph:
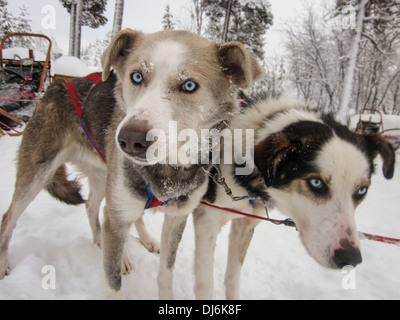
{"type": "Point", "coordinates": [133, 140]}
{"type": "Point", "coordinates": [347, 255]}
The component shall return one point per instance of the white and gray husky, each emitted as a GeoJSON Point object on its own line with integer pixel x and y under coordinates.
{"type": "Point", "coordinates": [169, 76]}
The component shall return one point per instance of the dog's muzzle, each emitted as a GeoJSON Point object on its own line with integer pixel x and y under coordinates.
{"type": "Point", "coordinates": [132, 139]}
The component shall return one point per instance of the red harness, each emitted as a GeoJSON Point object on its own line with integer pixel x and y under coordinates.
{"type": "Point", "coordinates": [94, 77]}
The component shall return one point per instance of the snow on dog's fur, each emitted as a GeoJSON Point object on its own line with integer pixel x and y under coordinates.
{"type": "Point", "coordinates": [309, 167]}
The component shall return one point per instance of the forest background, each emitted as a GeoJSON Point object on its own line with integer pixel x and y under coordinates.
{"type": "Point", "coordinates": [340, 56]}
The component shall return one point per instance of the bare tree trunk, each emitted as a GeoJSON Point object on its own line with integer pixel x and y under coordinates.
{"type": "Point", "coordinates": [78, 29]}
{"type": "Point", "coordinates": [72, 32]}
{"type": "Point", "coordinates": [199, 11]}
{"type": "Point", "coordinates": [348, 80]}
{"type": "Point", "coordinates": [118, 16]}
{"type": "Point", "coordinates": [226, 24]}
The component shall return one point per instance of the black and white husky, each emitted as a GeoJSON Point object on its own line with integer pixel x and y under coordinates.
{"type": "Point", "coordinates": [314, 170]}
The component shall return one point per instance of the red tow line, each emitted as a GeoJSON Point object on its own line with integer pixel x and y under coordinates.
{"type": "Point", "coordinates": [287, 222]}
{"type": "Point", "coordinates": [381, 239]}
{"type": "Point", "coordinates": [290, 223]}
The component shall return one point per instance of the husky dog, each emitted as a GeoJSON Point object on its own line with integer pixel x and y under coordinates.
{"type": "Point", "coordinates": [312, 169]}
{"type": "Point", "coordinates": [162, 78]}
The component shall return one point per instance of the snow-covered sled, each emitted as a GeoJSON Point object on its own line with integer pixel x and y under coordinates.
{"type": "Point", "coordinates": [23, 79]}
{"type": "Point", "coordinates": [372, 121]}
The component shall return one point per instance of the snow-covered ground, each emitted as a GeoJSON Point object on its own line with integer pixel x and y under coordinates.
{"type": "Point", "coordinates": [52, 234]}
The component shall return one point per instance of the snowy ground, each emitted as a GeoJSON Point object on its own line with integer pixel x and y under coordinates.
{"type": "Point", "coordinates": [277, 265]}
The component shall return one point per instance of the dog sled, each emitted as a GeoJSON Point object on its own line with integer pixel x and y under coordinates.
{"type": "Point", "coordinates": [371, 121]}
{"type": "Point", "coordinates": [23, 79]}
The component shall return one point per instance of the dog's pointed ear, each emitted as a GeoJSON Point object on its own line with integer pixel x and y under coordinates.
{"type": "Point", "coordinates": [376, 144]}
{"type": "Point", "coordinates": [239, 64]}
{"type": "Point", "coordinates": [117, 50]}
{"type": "Point", "coordinates": [269, 154]}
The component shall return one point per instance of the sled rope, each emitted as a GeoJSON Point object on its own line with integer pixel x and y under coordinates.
{"type": "Point", "coordinates": [287, 222]}
{"type": "Point", "coordinates": [374, 237]}
{"type": "Point", "coordinates": [290, 223]}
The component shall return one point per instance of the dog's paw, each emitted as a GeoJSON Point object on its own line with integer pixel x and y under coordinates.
{"type": "Point", "coordinates": [151, 244]}
{"type": "Point", "coordinates": [4, 272]}
{"type": "Point", "coordinates": [126, 265]}
{"type": "Point", "coordinates": [97, 243]}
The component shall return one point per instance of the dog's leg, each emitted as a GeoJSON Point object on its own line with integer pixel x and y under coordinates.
{"type": "Point", "coordinates": [9, 221]}
{"type": "Point", "coordinates": [145, 238]}
{"type": "Point", "coordinates": [29, 183]}
{"type": "Point", "coordinates": [96, 196]}
{"type": "Point", "coordinates": [239, 240]}
{"type": "Point", "coordinates": [206, 229]}
{"type": "Point", "coordinates": [114, 233]}
{"type": "Point", "coordinates": [126, 263]}
{"type": "Point", "coordinates": [172, 232]}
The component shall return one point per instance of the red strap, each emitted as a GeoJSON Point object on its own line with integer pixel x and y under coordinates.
{"type": "Point", "coordinates": [27, 78]}
{"type": "Point", "coordinates": [381, 239]}
{"type": "Point", "coordinates": [95, 77]}
{"type": "Point", "coordinates": [74, 97]}
{"type": "Point", "coordinates": [154, 203]}
{"type": "Point", "coordinates": [242, 213]}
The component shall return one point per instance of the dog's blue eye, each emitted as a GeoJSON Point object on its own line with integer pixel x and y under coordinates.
{"type": "Point", "coordinates": [362, 191]}
{"type": "Point", "coordinates": [316, 183]}
{"type": "Point", "coordinates": [360, 194]}
{"type": "Point", "coordinates": [318, 187]}
{"type": "Point", "coordinates": [190, 86]}
{"type": "Point", "coordinates": [137, 78]}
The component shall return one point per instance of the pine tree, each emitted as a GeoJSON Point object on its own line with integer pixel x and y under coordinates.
{"type": "Point", "coordinates": [93, 12]}
{"type": "Point", "coordinates": [7, 21]}
{"type": "Point", "coordinates": [92, 16]}
{"type": "Point", "coordinates": [168, 22]}
{"type": "Point", "coordinates": [215, 12]}
{"type": "Point", "coordinates": [248, 22]}
{"type": "Point", "coordinates": [93, 53]}
{"type": "Point", "coordinates": [23, 25]}
{"type": "Point", "coordinates": [23, 22]}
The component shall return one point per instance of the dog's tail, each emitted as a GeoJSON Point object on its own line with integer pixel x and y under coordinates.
{"type": "Point", "coordinates": [65, 190]}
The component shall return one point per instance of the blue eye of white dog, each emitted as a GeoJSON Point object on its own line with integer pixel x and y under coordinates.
{"type": "Point", "coordinates": [189, 86]}
{"type": "Point", "coordinates": [137, 78]}
{"type": "Point", "coordinates": [316, 183]}
{"type": "Point", "coordinates": [362, 191]}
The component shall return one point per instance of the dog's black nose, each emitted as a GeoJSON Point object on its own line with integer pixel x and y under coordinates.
{"type": "Point", "coordinates": [133, 142]}
{"type": "Point", "coordinates": [347, 257]}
